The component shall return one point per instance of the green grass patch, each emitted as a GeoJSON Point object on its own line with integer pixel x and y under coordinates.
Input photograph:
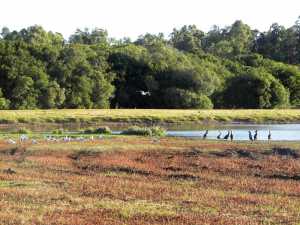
{"type": "Point", "coordinates": [147, 116]}
{"type": "Point", "coordinates": [138, 207]}
{"type": "Point", "coordinates": [11, 184]}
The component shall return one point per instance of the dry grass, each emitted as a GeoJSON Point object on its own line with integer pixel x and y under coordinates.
{"type": "Point", "coordinates": [131, 180]}
{"type": "Point", "coordinates": [147, 115]}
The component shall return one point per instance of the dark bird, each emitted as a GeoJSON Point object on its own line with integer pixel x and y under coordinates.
{"type": "Point", "coordinates": [231, 136]}
{"type": "Point", "coordinates": [227, 135]}
{"type": "Point", "coordinates": [269, 136]}
{"type": "Point", "coordinates": [205, 134]}
{"type": "Point", "coordinates": [255, 136]}
{"type": "Point", "coordinates": [219, 135]}
{"type": "Point", "coordinates": [250, 136]}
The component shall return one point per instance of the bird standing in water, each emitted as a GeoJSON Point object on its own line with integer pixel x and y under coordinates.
{"type": "Point", "coordinates": [250, 136]}
{"type": "Point", "coordinates": [205, 134]}
{"type": "Point", "coordinates": [255, 136]}
{"type": "Point", "coordinates": [231, 136]}
{"type": "Point", "coordinates": [227, 135]}
{"type": "Point", "coordinates": [269, 136]}
{"type": "Point", "coordinates": [219, 135]}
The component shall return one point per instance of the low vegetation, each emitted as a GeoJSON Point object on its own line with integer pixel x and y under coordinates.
{"type": "Point", "coordinates": [99, 130]}
{"type": "Point", "coordinates": [147, 116]}
{"type": "Point", "coordinates": [145, 131]}
{"type": "Point", "coordinates": [58, 131]}
{"type": "Point", "coordinates": [23, 130]}
{"type": "Point", "coordinates": [136, 180]}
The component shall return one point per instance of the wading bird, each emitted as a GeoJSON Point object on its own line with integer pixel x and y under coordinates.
{"type": "Point", "coordinates": [269, 136]}
{"type": "Point", "coordinates": [255, 135]}
{"type": "Point", "coordinates": [250, 136]}
{"type": "Point", "coordinates": [219, 135]}
{"type": "Point", "coordinates": [227, 135]}
{"type": "Point", "coordinates": [205, 134]}
{"type": "Point", "coordinates": [23, 138]}
{"type": "Point", "coordinates": [11, 141]}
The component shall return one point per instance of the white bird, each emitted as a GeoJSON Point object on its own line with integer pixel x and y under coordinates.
{"type": "Point", "coordinates": [33, 141]}
{"type": "Point", "coordinates": [80, 138]}
{"type": "Point", "coordinates": [66, 139]}
{"type": "Point", "coordinates": [144, 93]}
{"type": "Point", "coordinates": [155, 140]}
{"type": "Point", "coordinates": [23, 137]}
{"type": "Point", "coordinates": [11, 141]}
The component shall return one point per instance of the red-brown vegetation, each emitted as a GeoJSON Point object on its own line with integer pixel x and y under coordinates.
{"type": "Point", "coordinates": [140, 181]}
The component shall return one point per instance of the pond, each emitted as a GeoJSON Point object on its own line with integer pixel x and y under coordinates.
{"type": "Point", "coordinates": [279, 132]}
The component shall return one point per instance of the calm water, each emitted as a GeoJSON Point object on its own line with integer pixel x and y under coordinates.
{"type": "Point", "coordinates": [280, 132]}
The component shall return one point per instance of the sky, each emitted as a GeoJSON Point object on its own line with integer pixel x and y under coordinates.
{"type": "Point", "coordinates": [131, 18]}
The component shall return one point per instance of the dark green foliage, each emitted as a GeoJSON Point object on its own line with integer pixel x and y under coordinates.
{"type": "Point", "coordinates": [38, 70]}
{"type": "Point", "coordinates": [183, 99]}
{"type": "Point", "coordinates": [231, 67]}
{"type": "Point", "coordinates": [255, 89]}
{"type": "Point", "coordinates": [4, 103]}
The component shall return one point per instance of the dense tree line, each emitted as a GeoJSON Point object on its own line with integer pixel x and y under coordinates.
{"type": "Point", "coordinates": [232, 67]}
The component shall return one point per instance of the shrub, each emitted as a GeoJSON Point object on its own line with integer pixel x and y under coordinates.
{"type": "Point", "coordinates": [145, 131]}
{"type": "Point", "coordinates": [158, 131]}
{"type": "Point", "coordinates": [58, 131]}
{"type": "Point", "coordinates": [24, 130]}
{"type": "Point", "coordinates": [103, 130]}
{"type": "Point", "coordinates": [89, 131]}
{"type": "Point", "coordinates": [100, 130]}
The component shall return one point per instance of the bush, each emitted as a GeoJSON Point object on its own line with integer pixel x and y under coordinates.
{"type": "Point", "coordinates": [158, 131]}
{"type": "Point", "coordinates": [103, 130]}
{"type": "Point", "coordinates": [89, 131]}
{"type": "Point", "coordinates": [24, 130]}
{"type": "Point", "coordinates": [58, 131]}
{"type": "Point", "coordinates": [100, 130]}
{"type": "Point", "coordinates": [145, 131]}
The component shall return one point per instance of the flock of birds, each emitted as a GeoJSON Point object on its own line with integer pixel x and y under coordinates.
{"type": "Point", "coordinates": [229, 135]}
{"type": "Point", "coordinates": [26, 139]}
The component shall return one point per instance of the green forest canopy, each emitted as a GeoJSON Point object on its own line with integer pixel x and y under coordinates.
{"type": "Point", "coordinates": [231, 67]}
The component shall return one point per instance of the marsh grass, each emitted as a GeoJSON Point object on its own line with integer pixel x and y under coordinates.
{"type": "Point", "coordinates": [147, 116]}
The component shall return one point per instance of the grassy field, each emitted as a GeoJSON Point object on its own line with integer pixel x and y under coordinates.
{"type": "Point", "coordinates": [147, 116]}
{"type": "Point", "coordinates": [140, 180]}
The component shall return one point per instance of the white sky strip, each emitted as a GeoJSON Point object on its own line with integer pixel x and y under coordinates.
{"type": "Point", "coordinates": [132, 18]}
